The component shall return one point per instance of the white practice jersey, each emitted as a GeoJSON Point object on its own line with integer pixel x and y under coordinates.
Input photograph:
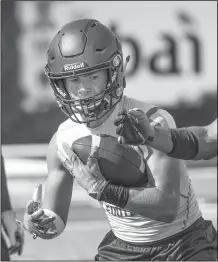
{"type": "Point", "coordinates": [126, 225]}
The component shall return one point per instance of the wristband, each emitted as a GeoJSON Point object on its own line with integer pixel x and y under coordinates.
{"type": "Point", "coordinates": [185, 144]}
{"type": "Point", "coordinates": [116, 195]}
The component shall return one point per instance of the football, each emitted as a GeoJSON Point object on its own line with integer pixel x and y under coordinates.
{"type": "Point", "coordinates": [118, 163]}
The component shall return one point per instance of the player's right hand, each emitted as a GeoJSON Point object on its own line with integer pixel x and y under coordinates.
{"type": "Point", "coordinates": [35, 220]}
{"type": "Point", "coordinates": [88, 176]}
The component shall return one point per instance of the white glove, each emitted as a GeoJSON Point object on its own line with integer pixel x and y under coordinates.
{"type": "Point", "coordinates": [41, 222]}
{"type": "Point", "coordinates": [88, 176]}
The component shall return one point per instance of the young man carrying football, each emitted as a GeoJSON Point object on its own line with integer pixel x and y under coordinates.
{"type": "Point", "coordinates": [160, 220]}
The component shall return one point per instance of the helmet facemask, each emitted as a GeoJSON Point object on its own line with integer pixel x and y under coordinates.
{"type": "Point", "coordinates": [81, 47]}
{"type": "Point", "coordinates": [93, 108]}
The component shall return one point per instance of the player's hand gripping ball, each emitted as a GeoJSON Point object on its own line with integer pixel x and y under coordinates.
{"type": "Point", "coordinates": [133, 127]}
{"type": "Point", "coordinates": [119, 164]}
{"type": "Point", "coordinates": [39, 222]}
{"type": "Point", "coordinates": [87, 175]}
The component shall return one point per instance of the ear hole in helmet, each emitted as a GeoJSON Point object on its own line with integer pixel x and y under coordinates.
{"type": "Point", "coordinates": [94, 24]}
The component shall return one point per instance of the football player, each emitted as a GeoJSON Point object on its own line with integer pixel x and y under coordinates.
{"type": "Point", "coordinates": [188, 143]}
{"type": "Point", "coordinates": [157, 221]}
{"type": "Point", "coordinates": [12, 235]}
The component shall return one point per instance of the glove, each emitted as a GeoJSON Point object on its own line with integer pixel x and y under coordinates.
{"type": "Point", "coordinates": [88, 176]}
{"type": "Point", "coordinates": [41, 222]}
{"type": "Point", "coordinates": [12, 232]}
{"type": "Point", "coordinates": [133, 127]}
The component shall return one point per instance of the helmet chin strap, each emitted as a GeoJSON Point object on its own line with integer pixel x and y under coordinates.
{"type": "Point", "coordinates": [106, 99]}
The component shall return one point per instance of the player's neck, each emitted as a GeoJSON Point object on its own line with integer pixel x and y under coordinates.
{"type": "Point", "coordinates": [100, 121]}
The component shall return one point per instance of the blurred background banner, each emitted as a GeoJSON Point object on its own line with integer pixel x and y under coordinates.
{"type": "Point", "coordinates": [173, 48]}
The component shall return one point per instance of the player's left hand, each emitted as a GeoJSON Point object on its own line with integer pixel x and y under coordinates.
{"type": "Point", "coordinates": [133, 127]}
{"type": "Point", "coordinates": [36, 221]}
{"type": "Point", "coordinates": [88, 176]}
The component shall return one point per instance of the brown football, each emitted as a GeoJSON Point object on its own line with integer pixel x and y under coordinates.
{"type": "Point", "coordinates": [118, 163]}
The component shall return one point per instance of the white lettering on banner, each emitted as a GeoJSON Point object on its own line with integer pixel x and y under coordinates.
{"type": "Point", "coordinates": [173, 54]}
{"type": "Point", "coordinates": [70, 67]}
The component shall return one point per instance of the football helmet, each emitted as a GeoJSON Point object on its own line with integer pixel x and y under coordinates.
{"type": "Point", "coordinates": [81, 47]}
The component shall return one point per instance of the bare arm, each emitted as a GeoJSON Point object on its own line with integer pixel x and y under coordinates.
{"type": "Point", "coordinates": [10, 228]}
{"type": "Point", "coordinates": [59, 184]}
{"type": "Point", "coordinates": [161, 201]}
{"type": "Point", "coordinates": [162, 139]}
{"type": "Point", "coordinates": [188, 143]}
{"type": "Point", "coordinates": [207, 141]}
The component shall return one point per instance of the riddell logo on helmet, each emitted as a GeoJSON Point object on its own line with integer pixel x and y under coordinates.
{"type": "Point", "coordinates": [75, 66]}
{"type": "Point", "coordinates": [61, 92]}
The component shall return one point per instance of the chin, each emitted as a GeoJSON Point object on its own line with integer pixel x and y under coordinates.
{"type": "Point", "coordinates": [101, 119]}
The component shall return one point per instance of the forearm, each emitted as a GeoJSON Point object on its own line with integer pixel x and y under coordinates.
{"type": "Point", "coordinates": [193, 143]}
{"type": "Point", "coordinates": [159, 201]}
{"type": "Point", "coordinates": [153, 203]}
{"type": "Point", "coordinates": [185, 143]}
{"type": "Point", "coordinates": [162, 139]}
{"type": "Point", "coordinates": [188, 143]}
{"type": "Point", "coordinates": [180, 143]}
{"type": "Point", "coordinates": [58, 193]}
{"type": "Point", "coordinates": [207, 141]}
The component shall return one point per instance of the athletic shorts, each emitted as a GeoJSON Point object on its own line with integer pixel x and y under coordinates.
{"type": "Point", "coordinates": [197, 243]}
{"type": "Point", "coordinates": [4, 250]}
